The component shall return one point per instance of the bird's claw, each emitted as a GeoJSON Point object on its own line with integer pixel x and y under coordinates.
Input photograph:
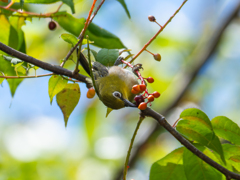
{"type": "Point", "coordinates": [137, 67]}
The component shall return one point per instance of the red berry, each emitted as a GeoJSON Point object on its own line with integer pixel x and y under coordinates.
{"type": "Point", "coordinates": [157, 57]}
{"type": "Point", "coordinates": [142, 106]}
{"type": "Point", "coordinates": [139, 99]}
{"type": "Point", "coordinates": [136, 88]}
{"type": "Point", "coordinates": [142, 87]}
{"type": "Point", "coordinates": [91, 93]}
{"type": "Point", "coordinates": [150, 80]}
{"type": "Point", "coordinates": [52, 25]}
{"type": "Point", "coordinates": [150, 98]}
{"type": "Point", "coordinates": [156, 94]}
{"type": "Point", "coordinates": [151, 18]}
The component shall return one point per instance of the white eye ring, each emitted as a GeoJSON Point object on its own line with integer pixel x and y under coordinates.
{"type": "Point", "coordinates": [117, 94]}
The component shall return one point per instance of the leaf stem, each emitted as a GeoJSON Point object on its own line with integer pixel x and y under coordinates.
{"type": "Point", "coordinates": [160, 30]}
{"type": "Point", "coordinates": [130, 147]}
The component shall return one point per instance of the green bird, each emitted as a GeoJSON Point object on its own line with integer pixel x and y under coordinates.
{"type": "Point", "coordinates": [113, 84]}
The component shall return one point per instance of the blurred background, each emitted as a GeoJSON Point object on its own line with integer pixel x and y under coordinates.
{"type": "Point", "coordinates": [34, 144]}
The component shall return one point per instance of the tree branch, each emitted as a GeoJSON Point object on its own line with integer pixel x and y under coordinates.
{"type": "Point", "coordinates": [53, 68]}
{"type": "Point", "coordinates": [80, 37]}
{"type": "Point", "coordinates": [162, 121]}
{"type": "Point", "coordinates": [198, 59]}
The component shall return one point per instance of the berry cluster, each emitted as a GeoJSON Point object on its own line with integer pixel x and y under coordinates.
{"type": "Point", "coordinates": [141, 88]}
{"type": "Point", "coordinates": [140, 99]}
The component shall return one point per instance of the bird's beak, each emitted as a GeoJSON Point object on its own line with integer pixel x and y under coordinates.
{"type": "Point", "coordinates": [127, 103]}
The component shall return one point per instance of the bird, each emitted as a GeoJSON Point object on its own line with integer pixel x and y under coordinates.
{"type": "Point", "coordinates": [113, 84]}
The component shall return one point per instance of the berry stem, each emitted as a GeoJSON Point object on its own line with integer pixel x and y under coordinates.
{"type": "Point", "coordinates": [130, 147]}
{"type": "Point", "coordinates": [149, 52]}
{"type": "Point", "coordinates": [159, 31]}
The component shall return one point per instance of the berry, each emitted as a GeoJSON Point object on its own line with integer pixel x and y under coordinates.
{"type": "Point", "coordinates": [136, 88]}
{"type": "Point", "coordinates": [142, 87]}
{"type": "Point", "coordinates": [91, 93]}
{"type": "Point", "coordinates": [52, 25]}
{"type": "Point", "coordinates": [157, 57]}
{"type": "Point", "coordinates": [139, 99]}
{"type": "Point", "coordinates": [151, 18]}
{"type": "Point", "coordinates": [150, 98]}
{"type": "Point", "coordinates": [142, 106]}
{"type": "Point", "coordinates": [156, 94]}
{"type": "Point", "coordinates": [150, 80]}
{"type": "Point", "coordinates": [134, 92]}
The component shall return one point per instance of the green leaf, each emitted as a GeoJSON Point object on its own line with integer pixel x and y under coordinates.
{"type": "Point", "coordinates": [122, 2]}
{"type": "Point", "coordinates": [101, 37]}
{"type": "Point", "coordinates": [67, 100]}
{"type": "Point", "coordinates": [17, 23]}
{"type": "Point", "coordinates": [71, 39]}
{"type": "Point", "coordinates": [67, 2]}
{"type": "Point", "coordinates": [232, 154]}
{"type": "Point", "coordinates": [107, 57]}
{"type": "Point", "coordinates": [108, 111]}
{"type": "Point", "coordinates": [55, 85]}
{"type": "Point", "coordinates": [195, 125]}
{"type": "Point", "coordinates": [1, 79]}
{"type": "Point", "coordinates": [195, 168]}
{"type": "Point", "coordinates": [8, 70]}
{"type": "Point", "coordinates": [226, 129]}
{"type": "Point", "coordinates": [170, 167]}
{"type": "Point", "coordinates": [4, 31]}
{"type": "Point", "coordinates": [21, 3]}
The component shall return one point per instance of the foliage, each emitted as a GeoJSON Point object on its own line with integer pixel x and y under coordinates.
{"type": "Point", "coordinates": [217, 138]}
{"type": "Point", "coordinates": [195, 125]}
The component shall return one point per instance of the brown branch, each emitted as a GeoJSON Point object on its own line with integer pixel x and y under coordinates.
{"type": "Point", "coordinates": [160, 30]}
{"type": "Point", "coordinates": [53, 68]}
{"type": "Point", "coordinates": [81, 34]}
{"type": "Point", "coordinates": [162, 121]}
{"type": "Point", "coordinates": [198, 59]}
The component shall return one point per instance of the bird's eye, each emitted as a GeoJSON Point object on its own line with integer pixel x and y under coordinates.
{"type": "Point", "coordinates": [117, 94]}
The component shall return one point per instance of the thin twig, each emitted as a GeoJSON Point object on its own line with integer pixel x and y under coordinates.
{"type": "Point", "coordinates": [53, 68]}
{"type": "Point", "coordinates": [160, 30]}
{"type": "Point", "coordinates": [69, 79]}
{"type": "Point", "coordinates": [90, 66]}
{"type": "Point", "coordinates": [81, 36]}
{"type": "Point", "coordinates": [18, 77]}
{"type": "Point", "coordinates": [130, 147]}
{"type": "Point", "coordinates": [72, 49]}
{"type": "Point", "coordinates": [31, 14]}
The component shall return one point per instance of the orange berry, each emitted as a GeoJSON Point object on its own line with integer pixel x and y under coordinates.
{"type": "Point", "coordinates": [142, 87]}
{"type": "Point", "coordinates": [142, 106]}
{"type": "Point", "coordinates": [91, 93]}
{"type": "Point", "coordinates": [150, 98]}
{"type": "Point", "coordinates": [136, 88]}
{"type": "Point", "coordinates": [156, 94]}
{"type": "Point", "coordinates": [150, 80]}
{"type": "Point", "coordinates": [157, 57]}
{"type": "Point", "coordinates": [134, 92]}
